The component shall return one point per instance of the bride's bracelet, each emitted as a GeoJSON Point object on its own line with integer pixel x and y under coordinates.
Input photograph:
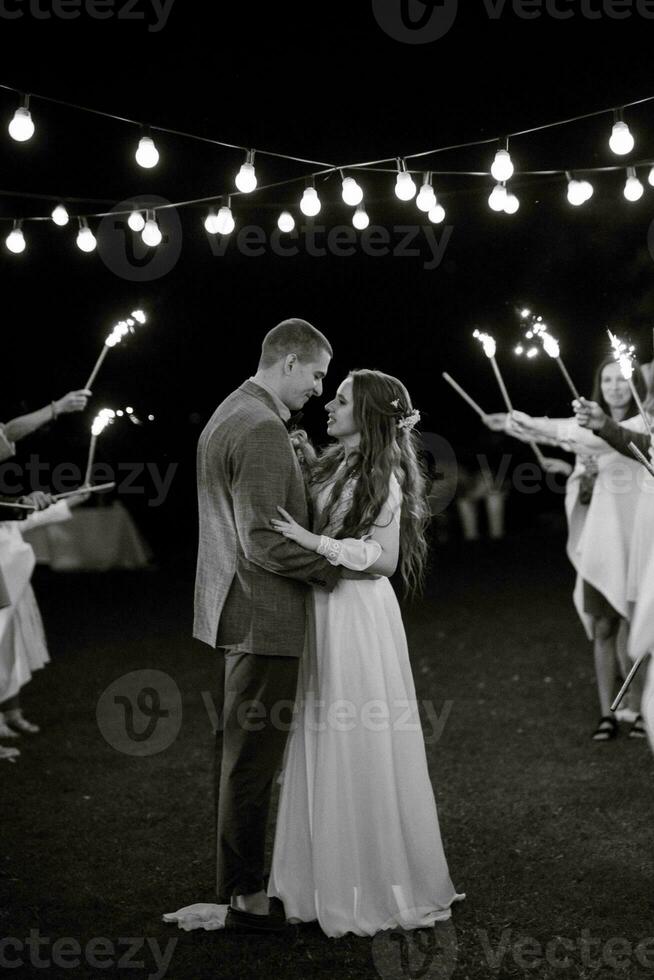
{"type": "Point", "coordinates": [330, 548]}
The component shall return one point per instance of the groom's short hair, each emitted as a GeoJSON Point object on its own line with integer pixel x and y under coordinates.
{"type": "Point", "coordinates": [293, 337]}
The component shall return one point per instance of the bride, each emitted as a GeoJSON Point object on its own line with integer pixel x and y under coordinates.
{"type": "Point", "coordinates": [357, 844]}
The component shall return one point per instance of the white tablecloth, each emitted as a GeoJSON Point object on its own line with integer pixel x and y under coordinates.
{"type": "Point", "coordinates": [95, 539]}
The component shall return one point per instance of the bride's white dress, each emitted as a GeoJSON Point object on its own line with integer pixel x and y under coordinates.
{"type": "Point", "coordinates": [357, 844]}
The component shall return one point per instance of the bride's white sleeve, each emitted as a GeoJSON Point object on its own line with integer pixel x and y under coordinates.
{"type": "Point", "coordinates": [360, 553]}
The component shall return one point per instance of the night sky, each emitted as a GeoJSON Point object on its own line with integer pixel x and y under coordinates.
{"type": "Point", "coordinates": [323, 82]}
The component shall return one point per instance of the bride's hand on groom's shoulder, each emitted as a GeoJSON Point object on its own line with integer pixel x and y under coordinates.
{"type": "Point", "coordinates": [290, 529]}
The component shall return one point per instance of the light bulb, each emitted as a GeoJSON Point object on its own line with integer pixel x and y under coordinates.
{"type": "Point", "coordinates": [497, 199]}
{"type": "Point", "coordinates": [650, 178]}
{"type": "Point", "coordinates": [136, 221]}
{"type": "Point", "coordinates": [86, 239]}
{"type": "Point", "coordinates": [437, 214]}
{"type": "Point", "coordinates": [147, 154]}
{"type": "Point", "coordinates": [151, 233]}
{"type": "Point", "coordinates": [225, 221]}
{"type": "Point", "coordinates": [621, 141]}
{"type": "Point", "coordinates": [511, 204]}
{"type": "Point", "coordinates": [310, 203]}
{"type": "Point", "coordinates": [360, 219]}
{"type": "Point", "coordinates": [60, 215]}
{"type": "Point", "coordinates": [21, 127]}
{"type": "Point", "coordinates": [405, 187]}
{"type": "Point", "coordinates": [211, 223]}
{"type": "Point", "coordinates": [502, 167]}
{"type": "Point", "coordinates": [352, 192]}
{"type": "Point", "coordinates": [426, 200]}
{"type": "Point", "coordinates": [246, 179]}
{"type": "Point", "coordinates": [576, 192]}
{"type": "Point", "coordinates": [588, 189]}
{"type": "Point", "coordinates": [15, 241]}
{"type": "Point", "coordinates": [633, 189]}
{"type": "Point", "coordinates": [286, 221]}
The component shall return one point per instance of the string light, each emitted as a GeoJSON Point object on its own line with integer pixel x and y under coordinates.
{"type": "Point", "coordinates": [426, 200]}
{"type": "Point", "coordinates": [136, 221]}
{"type": "Point", "coordinates": [502, 167]}
{"type": "Point", "coordinates": [437, 214]}
{"type": "Point", "coordinates": [211, 222]}
{"type": "Point", "coordinates": [310, 204]}
{"type": "Point", "coordinates": [405, 188]}
{"type": "Point", "coordinates": [147, 155]}
{"type": "Point", "coordinates": [633, 189]}
{"type": "Point", "coordinates": [579, 191]}
{"type": "Point", "coordinates": [86, 240]}
{"type": "Point", "coordinates": [246, 178]}
{"type": "Point", "coordinates": [650, 177]}
{"type": "Point", "coordinates": [511, 204]}
{"type": "Point", "coordinates": [151, 233]}
{"type": "Point", "coordinates": [15, 240]}
{"type": "Point", "coordinates": [360, 218]}
{"type": "Point", "coordinates": [497, 199]}
{"type": "Point", "coordinates": [352, 192]}
{"type": "Point", "coordinates": [225, 220]}
{"type": "Point", "coordinates": [60, 216]}
{"type": "Point", "coordinates": [21, 127]}
{"type": "Point", "coordinates": [286, 222]}
{"type": "Point", "coordinates": [621, 141]}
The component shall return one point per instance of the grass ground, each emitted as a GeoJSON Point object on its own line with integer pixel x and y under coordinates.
{"type": "Point", "coordinates": [548, 833]}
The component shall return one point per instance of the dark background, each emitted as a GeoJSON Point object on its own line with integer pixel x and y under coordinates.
{"type": "Point", "coordinates": [321, 81]}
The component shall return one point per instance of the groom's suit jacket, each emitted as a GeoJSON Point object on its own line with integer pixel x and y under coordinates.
{"type": "Point", "coordinates": [251, 582]}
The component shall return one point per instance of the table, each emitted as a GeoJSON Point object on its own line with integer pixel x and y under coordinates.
{"type": "Point", "coordinates": [95, 539]}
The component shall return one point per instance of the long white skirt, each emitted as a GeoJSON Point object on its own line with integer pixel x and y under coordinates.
{"type": "Point", "coordinates": [358, 845]}
{"type": "Point", "coordinates": [23, 647]}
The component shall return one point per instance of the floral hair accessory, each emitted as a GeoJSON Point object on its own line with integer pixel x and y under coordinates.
{"type": "Point", "coordinates": [408, 421]}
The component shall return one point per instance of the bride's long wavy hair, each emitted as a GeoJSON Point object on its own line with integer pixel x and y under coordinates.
{"type": "Point", "coordinates": [379, 402]}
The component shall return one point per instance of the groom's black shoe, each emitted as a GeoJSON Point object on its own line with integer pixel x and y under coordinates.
{"type": "Point", "coordinates": [275, 921]}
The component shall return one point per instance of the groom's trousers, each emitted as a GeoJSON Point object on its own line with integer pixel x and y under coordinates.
{"type": "Point", "coordinates": [256, 697]}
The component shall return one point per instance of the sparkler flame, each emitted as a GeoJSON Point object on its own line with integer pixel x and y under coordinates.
{"type": "Point", "coordinates": [624, 354]}
{"type": "Point", "coordinates": [104, 418]}
{"type": "Point", "coordinates": [487, 342]}
{"type": "Point", "coordinates": [124, 327]}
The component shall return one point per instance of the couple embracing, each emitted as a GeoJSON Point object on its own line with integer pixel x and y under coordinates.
{"type": "Point", "coordinates": [315, 676]}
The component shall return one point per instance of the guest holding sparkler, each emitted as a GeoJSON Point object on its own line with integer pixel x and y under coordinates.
{"type": "Point", "coordinates": [22, 639]}
{"type": "Point", "coordinates": [601, 498]}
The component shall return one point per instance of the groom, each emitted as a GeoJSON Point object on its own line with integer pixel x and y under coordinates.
{"type": "Point", "coordinates": [250, 591]}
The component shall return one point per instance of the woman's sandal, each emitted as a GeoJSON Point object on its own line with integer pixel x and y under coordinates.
{"type": "Point", "coordinates": [638, 729]}
{"type": "Point", "coordinates": [607, 728]}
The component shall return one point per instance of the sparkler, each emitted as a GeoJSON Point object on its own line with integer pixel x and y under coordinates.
{"type": "Point", "coordinates": [104, 418]}
{"type": "Point", "coordinates": [624, 355]}
{"type": "Point", "coordinates": [490, 349]}
{"type": "Point", "coordinates": [121, 329]}
{"type": "Point", "coordinates": [464, 394]}
{"type": "Point", "coordinates": [627, 684]}
{"type": "Point", "coordinates": [538, 329]}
